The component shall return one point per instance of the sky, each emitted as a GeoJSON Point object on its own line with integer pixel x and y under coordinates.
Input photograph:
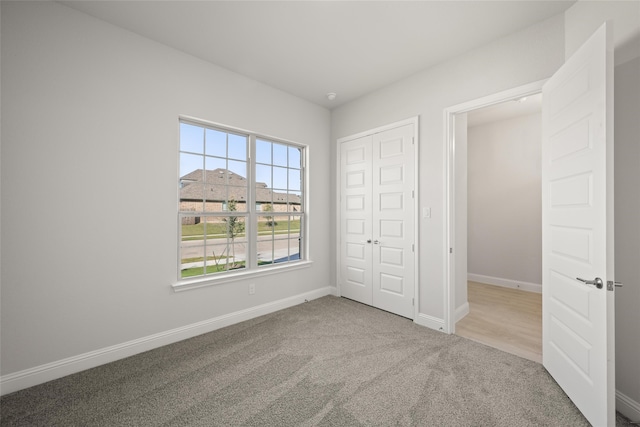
{"type": "Point", "coordinates": [277, 165]}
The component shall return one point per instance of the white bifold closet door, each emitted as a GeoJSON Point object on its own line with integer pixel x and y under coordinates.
{"type": "Point", "coordinates": [377, 220]}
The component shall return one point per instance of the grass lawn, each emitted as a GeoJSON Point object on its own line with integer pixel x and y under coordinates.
{"type": "Point", "coordinates": [200, 259]}
{"type": "Point", "coordinates": [197, 231]}
{"type": "Point", "coordinates": [199, 271]}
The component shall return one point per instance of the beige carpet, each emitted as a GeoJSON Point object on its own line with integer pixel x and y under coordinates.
{"type": "Point", "coordinates": [329, 362]}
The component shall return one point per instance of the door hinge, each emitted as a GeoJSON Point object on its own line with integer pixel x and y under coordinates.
{"type": "Point", "coordinates": [450, 250]}
{"type": "Point", "coordinates": [413, 247]}
{"type": "Point", "coordinates": [413, 140]}
{"type": "Point", "coordinates": [413, 301]}
{"type": "Point", "coordinates": [413, 194]}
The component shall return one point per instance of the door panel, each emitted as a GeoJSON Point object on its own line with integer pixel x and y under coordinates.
{"type": "Point", "coordinates": [393, 220]}
{"type": "Point", "coordinates": [355, 219]}
{"type": "Point", "coordinates": [577, 221]}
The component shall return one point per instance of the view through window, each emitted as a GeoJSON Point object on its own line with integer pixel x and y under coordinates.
{"type": "Point", "coordinates": [238, 211]}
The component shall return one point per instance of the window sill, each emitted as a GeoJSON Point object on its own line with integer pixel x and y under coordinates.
{"type": "Point", "coordinates": [186, 285]}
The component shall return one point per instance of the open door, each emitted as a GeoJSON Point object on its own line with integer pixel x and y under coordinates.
{"type": "Point", "coordinates": [577, 229]}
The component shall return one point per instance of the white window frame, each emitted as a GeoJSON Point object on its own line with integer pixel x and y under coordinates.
{"type": "Point", "coordinates": [251, 269]}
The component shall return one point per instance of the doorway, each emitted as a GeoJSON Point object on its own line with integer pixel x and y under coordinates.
{"type": "Point", "coordinates": [504, 227]}
{"type": "Point", "coordinates": [461, 294]}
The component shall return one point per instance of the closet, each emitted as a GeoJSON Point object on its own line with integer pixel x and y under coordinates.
{"type": "Point", "coordinates": [376, 260]}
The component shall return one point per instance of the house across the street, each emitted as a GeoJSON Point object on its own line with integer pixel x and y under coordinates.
{"type": "Point", "coordinates": [216, 188]}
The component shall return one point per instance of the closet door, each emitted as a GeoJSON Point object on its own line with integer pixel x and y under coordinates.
{"type": "Point", "coordinates": [393, 181]}
{"type": "Point", "coordinates": [355, 220]}
{"type": "Point", "coordinates": [377, 205]}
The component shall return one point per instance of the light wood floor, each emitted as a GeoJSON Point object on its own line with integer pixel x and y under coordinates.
{"type": "Point", "coordinates": [504, 318]}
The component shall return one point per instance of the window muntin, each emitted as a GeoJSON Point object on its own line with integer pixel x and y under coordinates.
{"type": "Point", "coordinates": [265, 195]}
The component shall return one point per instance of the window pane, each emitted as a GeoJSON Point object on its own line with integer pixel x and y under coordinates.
{"type": "Point", "coordinates": [265, 249]}
{"type": "Point", "coordinates": [294, 179]}
{"type": "Point", "coordinates": [238, 171]}
{"type": "Point", "coordinates": [192, 247]}
{"type": "Point", "coordinates": [263, 151]}
{"type": "Point", "coordinates": [233, 227]}
{"type": "Point", "coordinates": [216, 189]}
{"type": "Point", "coordinates": [263, 195]}
{"type": "Point", "coordinates": [268, 220]}
{"type": "Point", "coordinates": [216, 198]}
{"type": "Point", "coordinates": [294, 157]}
{"type": "Point", "coordinates": [279, 154]}
{"type": "Point", "coordinates": [237, 147]}
{"type": "Point", "coordinates": [216, 228]}
{"type": "Point", "coordinates": [279, 201]}
{"type": "Point", "coordinates": [191, 261]}
{"type": "Point", "coordinates": [191, 138]}
{"type": "Point", "coordinates": [235, 235]}
{"type": "Point", "coordinates": [263, 176]}
{"type": "Point", "coordinates": [192, 231]}
{"type": "Point", "coordinates": [215, 169]}
{"type": "Point", "coordinates": [219, 256]}
{"type": "Point", "coordinates": [295, 201]}
{"type": "Point", "coordinates": [190, 163]}
{"type": "Point", "coordinates": [279, 177]}
{"type": "Point", "coordinates": [216, 143]}
{"type": "Point", "coordinates": [191, 197]}
{"type": "Point", "coordinates": [293, 239]}
{"type": "Point", "coordinates": [237, 199]}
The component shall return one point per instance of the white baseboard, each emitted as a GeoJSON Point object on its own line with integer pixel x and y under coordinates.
{"type": "Point", "coordinates": [430, 322]}
{"type": "Point", "coordinates": [506, 283]}
{"type": "Point", "coordinates": [51, 371]}
{"type": "Point", "coordinates": [462, 311]}
{"type": "Point", "coordinates": [627, 406]}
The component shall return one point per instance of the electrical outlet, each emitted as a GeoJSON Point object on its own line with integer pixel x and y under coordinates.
{"type": "Point", "coordinates": [252, 288]}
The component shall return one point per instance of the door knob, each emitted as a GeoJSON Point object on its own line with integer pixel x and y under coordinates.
{"type": "Point", "coordinates": [597, 282]}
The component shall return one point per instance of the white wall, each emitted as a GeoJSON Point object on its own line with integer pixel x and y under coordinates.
{"type": "Point", "coordinates": [504, 211]}
{"type": "Point", "coordinates": [627, 236]}
{"type": "Point", "coordinates": [585, 16]}
{"type": "Point", "coordinates": [521, 58]}
{"type": "Point", "coordinates": [89, 170]}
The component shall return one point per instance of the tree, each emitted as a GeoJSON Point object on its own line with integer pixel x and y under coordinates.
{"type": "Point", "coordinates": [235, 227]}
{"type": "Point", "coordinates": [270, 221]}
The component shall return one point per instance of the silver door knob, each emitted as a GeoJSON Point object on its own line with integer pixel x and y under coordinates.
{"type": "Point", "coordinates": [597, 282]}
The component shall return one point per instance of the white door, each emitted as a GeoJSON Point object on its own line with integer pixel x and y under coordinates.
{"type": "Point", "coordinates": [393, 224]}
{"type": "Point", "coordinates": [377, 205]}
{"type": "Point", "coordinates": [577, 224]}
{"type": "Point", "coordinates": [356, 220]}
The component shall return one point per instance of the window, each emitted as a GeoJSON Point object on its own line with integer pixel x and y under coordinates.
{"type": "Point", "coordinates": [241, 202]}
